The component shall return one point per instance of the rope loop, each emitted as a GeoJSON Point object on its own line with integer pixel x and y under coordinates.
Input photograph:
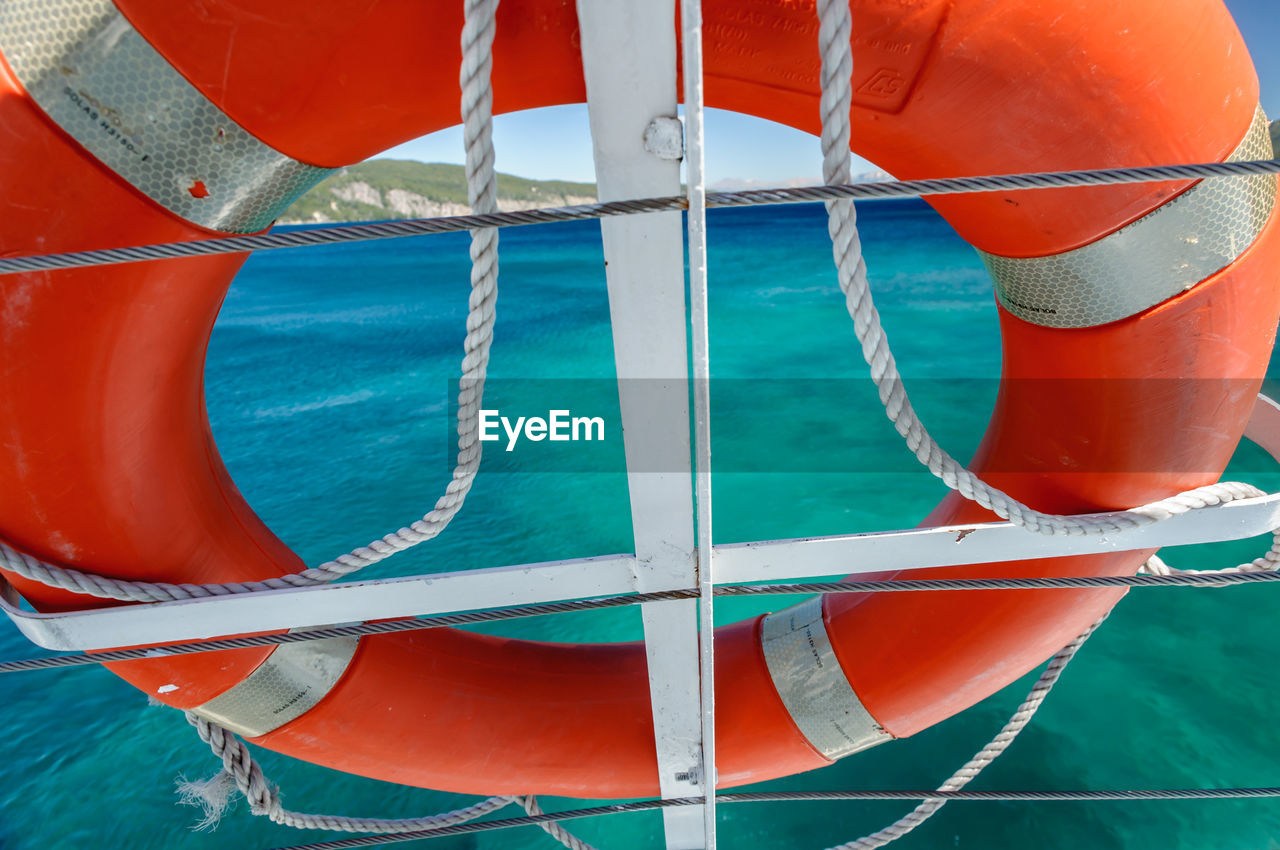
{"type": "Point", "coordinates": [482, 188]}
{"type": "Point", "coordinates": [836, 102]}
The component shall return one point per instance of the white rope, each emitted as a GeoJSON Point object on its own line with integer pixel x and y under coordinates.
{"type": "Point", "coordinates": [552, 828]}
{"type": "Point", "coordinates": [834, 34]}
{"type": "Point", "coordinates": [241, 770]}
{"type": "Point", "coordinates": [1006, 736]}
{"type": "Point", "coordinates": [239, 767]}
{"type": "Point", "coordinates": [983, 757]}
{"type": "Point", "coordinates": [1269, 562]}
{"type": "Point", "coordinates": [836, 102]}
{"type": "Point", "coordinates": [482, 194]}
{"type": "Point", "coordinates": [477, 120]}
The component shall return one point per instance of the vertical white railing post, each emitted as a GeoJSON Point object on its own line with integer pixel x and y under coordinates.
{"type": "Point", "coordinates": [629, 62]}
{"type": "Point", "coordinates": [695, 178]}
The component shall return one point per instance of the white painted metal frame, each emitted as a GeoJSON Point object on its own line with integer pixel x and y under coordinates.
{"type": "Point", "coordinates": [525, 584]}
{"type": "Point", "coordinates": [629, 63]}
{"type": "Point", "coordinates": [552, 581]}
{"type": "Point", "coordinates": [691, 43]}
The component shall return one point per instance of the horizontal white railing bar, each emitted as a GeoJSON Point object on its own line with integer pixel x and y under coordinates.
{"type": "Point", "coordinates": [554, 581]}
{"type": "Point", "coordinates": [525, 584]}
{"type": "Point", "coordinates": [307, 607]}
{"type": "Point", "coordinates": [949, 546]}
{"type": "Point", "coordinates": [349, 630]}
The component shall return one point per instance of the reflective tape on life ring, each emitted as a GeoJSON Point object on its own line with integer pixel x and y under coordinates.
{"type": "Point", "coordinates": [812, 685]}
{"type": "Point", "coordinates": [288, 684]}
{"type": "Point", "coordinates": [100, 81]}
{"type": "Point", "coordinates": [1194, 236]}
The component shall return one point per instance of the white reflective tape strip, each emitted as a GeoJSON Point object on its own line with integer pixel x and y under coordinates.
{"type": "Point", "coordinates": [287, 685]}
{"type": "Point", "coordinates": [84, 64]}
{"type": "Point", "coordinates": [1194, 236]}
{"type": "Point", "coordinates": [812, 685]}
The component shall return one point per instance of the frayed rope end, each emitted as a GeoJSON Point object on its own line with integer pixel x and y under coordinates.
{"type": "Point", "coordinates": [214, 795]}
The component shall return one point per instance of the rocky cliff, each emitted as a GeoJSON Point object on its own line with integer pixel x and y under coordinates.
{"type": "Point", "coordinates": [387, 188]}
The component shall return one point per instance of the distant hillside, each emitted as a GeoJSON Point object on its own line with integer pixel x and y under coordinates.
{"type": "Point", "coordinates": [392, 188]}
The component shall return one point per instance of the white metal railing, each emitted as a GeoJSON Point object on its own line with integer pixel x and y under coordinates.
{"type": "Point", "coordinates": [629, 65]}
{"type": "Point", "coordinates": [554, 581]}
{"type": "Point", "coordinates": [774, 560]}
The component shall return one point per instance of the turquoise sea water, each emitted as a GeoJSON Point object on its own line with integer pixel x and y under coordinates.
{"type": "Point", "coordinates": [328, 387]}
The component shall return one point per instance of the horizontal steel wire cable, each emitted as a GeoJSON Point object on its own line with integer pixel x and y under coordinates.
{"type": "Point", "coordinates": [1208, 579]}
{"type": "Point", "coordinates": [797, 796]}
{"type": "Point", "coordinates": [805, 194]}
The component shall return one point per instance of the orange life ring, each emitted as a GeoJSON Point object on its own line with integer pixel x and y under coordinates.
{"type": "Point", "coordinates": [105, 448]}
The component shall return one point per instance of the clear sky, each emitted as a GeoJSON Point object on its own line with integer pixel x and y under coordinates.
{"type": "Point", "coordinates": [554, 143]}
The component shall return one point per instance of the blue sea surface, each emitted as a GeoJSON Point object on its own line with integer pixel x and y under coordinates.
{"type": "Point", "coordinates": [329, 388]}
